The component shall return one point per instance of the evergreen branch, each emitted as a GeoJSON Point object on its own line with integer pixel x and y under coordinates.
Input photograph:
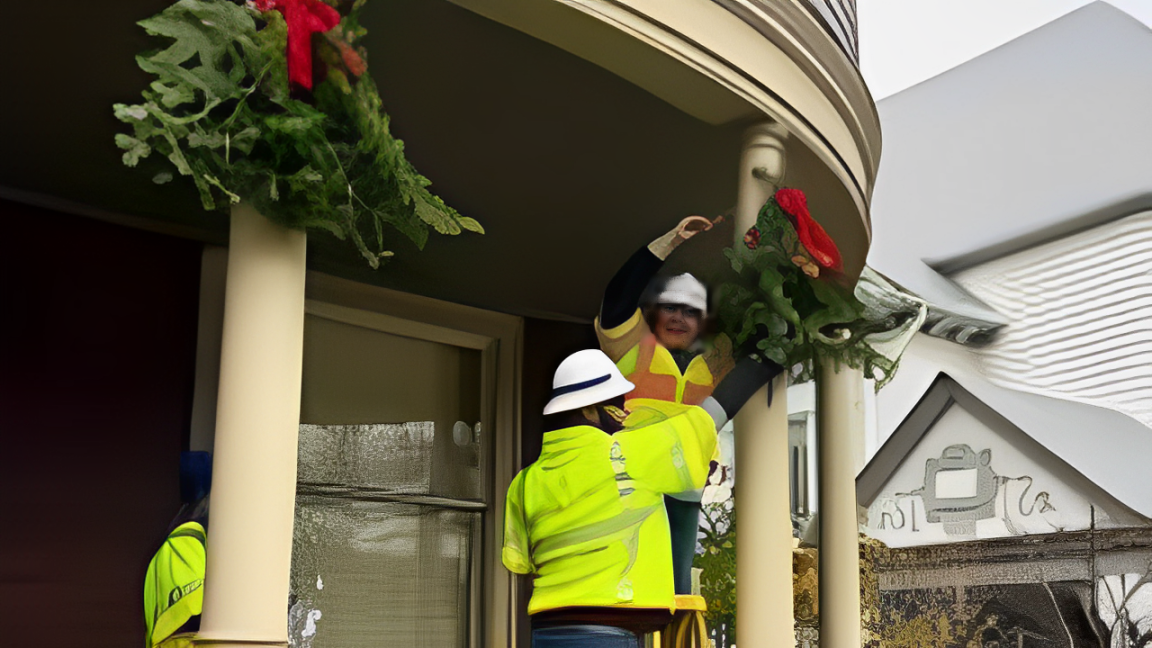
{"type": "Point", "coordinates": [323, 160]}
{"type": "Point", "coordinates": [771, 307]}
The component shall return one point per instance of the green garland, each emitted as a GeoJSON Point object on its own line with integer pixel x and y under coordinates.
{"type": "Point", "coordinates": [783, 306]}
{"type": "Point", "coordinates": [222, 111]}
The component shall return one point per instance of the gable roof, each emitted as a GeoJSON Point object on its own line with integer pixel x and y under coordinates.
{"type": "Point", "coordinates": [1042, 136]}
{"type": "Point", "coordinates": [1109, 449]}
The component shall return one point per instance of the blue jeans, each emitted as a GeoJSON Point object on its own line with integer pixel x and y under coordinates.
{"type": "Point", "coordinates": [584, 636]}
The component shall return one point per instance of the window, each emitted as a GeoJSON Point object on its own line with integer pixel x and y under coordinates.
{"type": "Point", "coordinates": [406, 438]}
{"type": "Point", "coordinates": [801, 425]}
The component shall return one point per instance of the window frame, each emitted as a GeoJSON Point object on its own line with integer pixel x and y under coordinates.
{"type": "Point", "coordinates": [499, 338]}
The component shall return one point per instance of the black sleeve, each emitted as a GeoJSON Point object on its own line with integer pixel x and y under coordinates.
{"type": "Point", "coordinates": [622, 295]}
{"type": "Point", "coordinates": [745, 379]}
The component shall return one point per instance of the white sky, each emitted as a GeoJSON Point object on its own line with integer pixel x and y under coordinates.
{"type": "Point", "coordinates": [904, 42]}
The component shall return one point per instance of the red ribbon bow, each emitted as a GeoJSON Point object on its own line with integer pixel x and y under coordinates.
{"type": "Point", "coordinates": [813, 237]}
{"type": "Point", "coordinates": [304, 18]}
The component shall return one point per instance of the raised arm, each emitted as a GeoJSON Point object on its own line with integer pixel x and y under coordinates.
{"type": "Point", "coordinates": [745, 379]}
{"type": "Point", "coordinates": [622, 295]}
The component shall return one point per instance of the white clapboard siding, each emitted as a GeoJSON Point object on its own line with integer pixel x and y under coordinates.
{"type": "Point", "coordinates": [1080, 311]}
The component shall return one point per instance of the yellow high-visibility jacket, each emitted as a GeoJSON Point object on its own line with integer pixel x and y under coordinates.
{"type": "Point", "coordinates": [174, 586]}
{"type": "Point", "coordinates": [587, 520]}
{"type": "Point", "coordinates": [648, 365]}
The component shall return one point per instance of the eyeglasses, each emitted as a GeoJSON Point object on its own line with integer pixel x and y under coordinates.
{"type": "Point", "coordinates": [683, 309]}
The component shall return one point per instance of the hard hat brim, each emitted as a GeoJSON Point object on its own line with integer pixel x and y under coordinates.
{"type": "Point", "coordinates": [681, 297]}
{"type": "Point", "coordinates": [616, 386]}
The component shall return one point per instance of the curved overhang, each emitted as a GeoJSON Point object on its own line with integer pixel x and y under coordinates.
{"type": "Point", "coordinates": [575, 131]}
{"type": "Point", "coordinates": [725, 61]}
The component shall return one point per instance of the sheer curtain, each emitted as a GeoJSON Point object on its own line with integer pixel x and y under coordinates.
{"type": "Point", "coordinates": [389, 513]}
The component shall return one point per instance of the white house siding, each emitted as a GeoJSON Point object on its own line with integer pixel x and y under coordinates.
{"type": "Point", "coordinates": [1032, 491]}
{"type": "Point", "coordinates": [1110, 448]}
{"type": "Point", "coordinates": [924, 359]}
{"type": "Point", "coordinates": [1081, 317]}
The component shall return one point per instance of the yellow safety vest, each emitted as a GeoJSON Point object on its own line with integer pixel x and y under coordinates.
{"type": "Point", "coordinates": [587, 520]}
{"type": "Point", "coordinates": [650, 366]}
{"type": "Point", "coordinates": [174, 586]}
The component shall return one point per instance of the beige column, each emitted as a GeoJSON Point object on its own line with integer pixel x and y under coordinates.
{"type": "Point", "coordinates": [840, 425]}
{"type": "Point", "coordinates": [257, 417]}
{"type": "Point", "coordinates": [764, 546]}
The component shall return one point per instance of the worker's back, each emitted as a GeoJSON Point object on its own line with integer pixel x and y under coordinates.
{"type": "Point", "coordinates": [587, 519]}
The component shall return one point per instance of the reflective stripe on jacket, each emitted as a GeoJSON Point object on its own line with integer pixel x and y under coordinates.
{"type": "Point", "coordinates": [587, 519]}
{"type": "Point", "coordinates": [174, 584]}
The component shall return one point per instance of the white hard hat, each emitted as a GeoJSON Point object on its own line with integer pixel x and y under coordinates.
{"type": "Point", "coordinates": [586, 378]}
{"type": "Point", "coordinates": [684, 289]}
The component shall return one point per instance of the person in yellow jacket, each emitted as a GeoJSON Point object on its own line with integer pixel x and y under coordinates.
{"type": "Point", "coordinates": [657, 344]}
{"type": "Point", "coordinates": [587, 519]}
{"type": "Point", "coordinates": [651, 327]}
{"type": "Point", "coordinates": [174, 582]}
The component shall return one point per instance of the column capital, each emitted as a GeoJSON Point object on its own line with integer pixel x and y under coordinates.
{"type": "Point", "coordinates": [765, 133]}
{"type": "Point", "coordinates": [763, 158]}
{"type": "Point", "coordinates": [766, 142]}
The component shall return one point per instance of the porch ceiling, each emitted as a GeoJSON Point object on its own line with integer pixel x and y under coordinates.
{"type": "Point", "coordinates": [569, 167]}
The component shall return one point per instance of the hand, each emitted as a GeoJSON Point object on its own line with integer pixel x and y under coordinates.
{"type": "Point", "coordinates": [691, 226]}
{"type": "Point", "coordinates": [683, 231]}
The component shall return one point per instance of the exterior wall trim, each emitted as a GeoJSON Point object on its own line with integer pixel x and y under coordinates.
{"type": "Point", "coordinates": [933, 405]}
{"type": "Point", "coordinates": [1064, 555]}
{"type": "Point", "coordinates": [208, 235]}
{"type": "Point", "coordinates": [782, 110]}
{"type": "Point", "coordinates": [857, 178]}
{"type": "Point", "coordinates": [779, 78]}
{"type": "Point", "coordinates": [790, 27]}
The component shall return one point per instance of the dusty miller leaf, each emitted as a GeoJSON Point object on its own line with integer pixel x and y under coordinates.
{"type": "Point", "coordinates": [196, 27]}
{"type": "Point", "coordinates": [471, 224]}
{"type": "Point", "coordinates": [134, 149]}
{"type": "Point", "coordinates": [173, 95]}
{"type": "Point", "coordinates": [436, 216]}
{"type": "Point", "coordinates": [129, 114]}
{"type": "Point", "coordinates": [199, 138]}
{"type": "Point", "coordinates": [246, 139]}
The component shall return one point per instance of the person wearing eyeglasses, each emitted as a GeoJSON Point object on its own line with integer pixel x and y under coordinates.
{"type": "Point", "coordinates": [651, 327]}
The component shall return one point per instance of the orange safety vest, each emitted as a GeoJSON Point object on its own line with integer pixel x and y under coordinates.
{"type": "Point", "coordinates": [650, 366]}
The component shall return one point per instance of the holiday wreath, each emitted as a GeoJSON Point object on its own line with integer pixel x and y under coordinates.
{"type": "Point", "coordinates": [270, 101]}
{"type": "Point", "coordinates": [787, 299]}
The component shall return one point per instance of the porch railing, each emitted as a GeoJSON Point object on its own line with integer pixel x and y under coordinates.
{"type": "Point", "coordinates": [838, 18]}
